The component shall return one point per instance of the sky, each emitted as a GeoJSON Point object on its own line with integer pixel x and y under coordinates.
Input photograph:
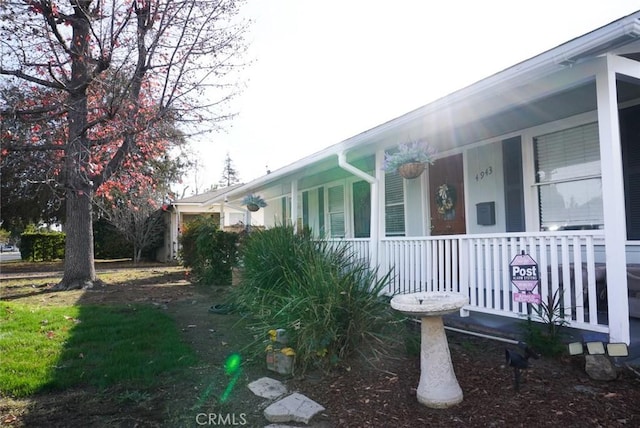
{"type": "Point", "coordinates": [324, 71]}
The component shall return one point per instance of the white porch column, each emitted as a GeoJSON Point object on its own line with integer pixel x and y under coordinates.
{"type": "Point", "coordinates": [175, 239]}
{"type": "Point", "coordinates": [379, 208]}
{"type": "Point", "coordinates": [293, 212]}
{"type": "Point", "coordinates": [373, 183]}
{"type": "Point", "coordinates": [374, 230]}
{"type": "Point", "coordinates": [615, 235]}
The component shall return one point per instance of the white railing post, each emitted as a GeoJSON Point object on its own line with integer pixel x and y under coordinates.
{"type": "Point", "coordinates": [463, 285]}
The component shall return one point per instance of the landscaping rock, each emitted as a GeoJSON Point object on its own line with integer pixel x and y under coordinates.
{"type": "Point", "coordinates": [268, 388]}
{"type": "Point", "coordinates": [296, 407]}
{"type": "Point", "coordinates": [599, 367]}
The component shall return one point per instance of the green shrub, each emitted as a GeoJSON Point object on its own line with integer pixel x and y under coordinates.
{"type": "Point", "coordinates": [327, 300]}
{"type": "Point", "coordinates": [209, 252]}
{"type": "Point", "coordinates": [42, 246]}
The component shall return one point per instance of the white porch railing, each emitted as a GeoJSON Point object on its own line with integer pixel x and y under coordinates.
{"type": "Point", "coordinates": [358, 246]}
{"type": "Point", "coordinates": [478, 265]}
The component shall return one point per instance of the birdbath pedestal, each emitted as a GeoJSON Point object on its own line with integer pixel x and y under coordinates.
{"type": "Point", "coordinates": [438, 387]}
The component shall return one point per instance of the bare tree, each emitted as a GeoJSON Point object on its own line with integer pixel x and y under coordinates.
{"type": "Point", "coordinates": [115, 70]}
{"type": "Point", "coordinates": [138, 217]}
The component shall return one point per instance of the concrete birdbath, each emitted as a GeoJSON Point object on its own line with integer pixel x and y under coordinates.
{"type": "Point", "coordinates": [438, 387]}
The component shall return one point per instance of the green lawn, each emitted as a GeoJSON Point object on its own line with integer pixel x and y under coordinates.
{"type": "Point", "coordinates": [59, 347]}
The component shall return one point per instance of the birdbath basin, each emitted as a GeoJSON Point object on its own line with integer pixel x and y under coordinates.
{"type": "Point", "coordinates": [438, 387]}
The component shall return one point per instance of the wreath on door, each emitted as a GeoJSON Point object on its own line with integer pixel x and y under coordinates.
{"type": "Point", "coordinates": [445, 198]}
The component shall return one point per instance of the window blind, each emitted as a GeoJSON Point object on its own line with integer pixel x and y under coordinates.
{"type": "Point", "coordinates": [394, 205]}
{"type": "Point", "coordinates": [335, 205]}
{"type": "Point", "coordinates": [568, 174]}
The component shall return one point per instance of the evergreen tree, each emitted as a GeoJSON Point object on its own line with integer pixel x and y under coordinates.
{"type": "Point", "coordinates": [229, 173]}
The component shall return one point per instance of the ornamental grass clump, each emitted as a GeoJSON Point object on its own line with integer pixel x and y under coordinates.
{"type": "Point", "coordinates": [327, 300]}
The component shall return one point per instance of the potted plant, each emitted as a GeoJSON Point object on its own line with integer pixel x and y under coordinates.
{"type": "Point", "coordinates": [409, 160]}
{"type": "Point", "coordinates": [253, 202]}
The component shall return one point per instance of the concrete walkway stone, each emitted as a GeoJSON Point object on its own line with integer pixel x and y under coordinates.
{"type": "Point", "coordinates": [268, 388]}
{"type": "Point", "coordinates": [296, 407]}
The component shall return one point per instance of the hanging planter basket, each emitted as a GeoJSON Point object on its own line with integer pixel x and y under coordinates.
{"type": "Point", "coordinates": [253, 202]}
{"type": "Point", "coordinates": [411, 170]}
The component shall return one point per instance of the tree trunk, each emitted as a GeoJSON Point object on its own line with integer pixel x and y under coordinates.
{"type": "Point", "coordinates": [79, 268]}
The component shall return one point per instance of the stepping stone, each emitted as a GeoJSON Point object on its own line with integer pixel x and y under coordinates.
{"type": "Point", "coordinates": [267, 388]}
{"type": "Point", "coordinates": [296, 407]}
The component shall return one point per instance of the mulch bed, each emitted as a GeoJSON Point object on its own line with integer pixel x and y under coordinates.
{"type": "Point", "coordinates": [554, 392]}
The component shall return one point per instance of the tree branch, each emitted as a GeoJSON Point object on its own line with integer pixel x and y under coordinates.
{"type": "Point", "coordinates": [21, 75]}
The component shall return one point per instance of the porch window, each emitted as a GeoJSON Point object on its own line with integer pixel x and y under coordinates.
{"type": "Point", "coordinates": [284, 205]}
{"type": "Point", "coordinates": [394, 205]}
{"type": "Point", "coordinates": [361, 209]}
{"type": "Point", "coordinates": [568, 179]}
{"type": "Point", "coordinates": [335, 197]}
{"type": "Point", "coordinates": [321, 228]}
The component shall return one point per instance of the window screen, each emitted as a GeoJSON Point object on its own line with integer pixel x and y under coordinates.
{"type": "Point", "coordinates": [361, 209]}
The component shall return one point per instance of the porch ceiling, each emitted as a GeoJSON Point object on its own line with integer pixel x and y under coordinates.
{"type": "Point", "coordinates": [561, 105]}
{"type": "Point", "coordinates": [471, 123]}
{"type": "Point", "coordinates": [557, 106]}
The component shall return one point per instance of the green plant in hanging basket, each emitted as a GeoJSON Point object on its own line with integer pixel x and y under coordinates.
{"type": "Point", "coordinates": [254, 202]}
{"type": "Point", "coordinates": [416, 152]}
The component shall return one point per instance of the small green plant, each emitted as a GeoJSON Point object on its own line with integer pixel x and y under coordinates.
{"type": "Point", "coordinates": [548, 338]}
{"type": "Point", "coordinates": [415, 151]}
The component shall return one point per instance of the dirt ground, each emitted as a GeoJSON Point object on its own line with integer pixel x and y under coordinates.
{"type": "Point", "coordinates": [555, 393]}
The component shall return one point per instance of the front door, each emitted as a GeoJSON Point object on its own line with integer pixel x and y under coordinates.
{"type": "Point", "coordinates": [446, 196]}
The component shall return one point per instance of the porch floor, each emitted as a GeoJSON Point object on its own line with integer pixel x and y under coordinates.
{"type": "Point", "coordinates": [511, 328]}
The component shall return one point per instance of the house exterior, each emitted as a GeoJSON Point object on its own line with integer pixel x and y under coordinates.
{"type": "Point", "coordinates": [542, 158]}
{"type": "Point", "coordinates": [229, 215]}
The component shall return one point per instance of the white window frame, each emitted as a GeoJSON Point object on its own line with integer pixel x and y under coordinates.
{"type": "Point", "coordinates": [387, 204]}
{"type": "Point", "coordinates": [532, 213]}
{"type": "Point", "coordinates": [330, 213]}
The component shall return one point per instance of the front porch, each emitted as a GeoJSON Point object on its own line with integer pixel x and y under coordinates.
{"type": "Point", "coordinates": [478, 266]}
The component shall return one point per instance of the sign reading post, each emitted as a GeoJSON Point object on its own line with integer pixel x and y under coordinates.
{"type": "Point", "coordinates": [524, 274]}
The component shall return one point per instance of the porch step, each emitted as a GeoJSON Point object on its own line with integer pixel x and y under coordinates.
{"type": "Point", "coordinates": [490, 325]}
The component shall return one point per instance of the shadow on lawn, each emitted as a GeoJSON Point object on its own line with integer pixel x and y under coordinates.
{"type": "Point", "coordinates": [116, 362]}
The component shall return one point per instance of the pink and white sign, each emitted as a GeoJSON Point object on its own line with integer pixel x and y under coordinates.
{"type": "Point", "coordinates": [526, 298]}
{"type": "Point", "coordinates": [524, 274]}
